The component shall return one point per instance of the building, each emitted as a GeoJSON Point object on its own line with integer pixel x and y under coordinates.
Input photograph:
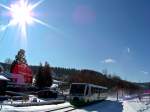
{"type": "Point", "coordinates": [14, 79]}
{"type": "Point", "coordinates": [22, 70]}
{"type": "Point", "coordinates": [3, 84]}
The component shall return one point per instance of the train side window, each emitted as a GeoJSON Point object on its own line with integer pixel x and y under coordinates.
{"type": "Point", "coordinates": [92, 90]}
{"type": "Point", "coordinates": [98, 90]}
{"type": "Point", "coordinates": [95, 90]}
{"type": "Point", "coordinates": [87, 90]}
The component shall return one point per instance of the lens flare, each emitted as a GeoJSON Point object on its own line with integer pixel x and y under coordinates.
{"type": "Point", "coordinates": [22, 15]}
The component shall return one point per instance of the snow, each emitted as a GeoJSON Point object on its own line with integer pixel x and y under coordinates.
{"type": "Point", "coordinates": [109, 105]}
{"type": "Point", "coordinates": [104, 106]}
{"type": "Point", "coordinates": [32, 108]}
{"type": "Point", "coordinates": [54, 86]}
{"type": "Point", "coordinates": [135, 105]}
{"type": "Point", "coordinates": [3, 78]}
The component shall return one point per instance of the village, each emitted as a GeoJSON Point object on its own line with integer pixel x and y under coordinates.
{"type": "Point", "coordinates": [19, 84]}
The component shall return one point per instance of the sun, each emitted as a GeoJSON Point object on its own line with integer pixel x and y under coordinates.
{"type": "Point", "coordinates": [22, 14]}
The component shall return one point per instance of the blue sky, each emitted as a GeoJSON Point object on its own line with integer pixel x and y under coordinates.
{"type": "Point", "coordinates": [92, 34]}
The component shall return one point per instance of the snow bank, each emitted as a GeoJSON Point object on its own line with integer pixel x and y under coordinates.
{"type": "Point", "coordinates": [136, 106]}
{"type": "Point", "coordinates": [43, 108]}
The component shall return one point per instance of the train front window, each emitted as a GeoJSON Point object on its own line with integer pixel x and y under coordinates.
{"type": "Point", "coordinates": [77, 89]}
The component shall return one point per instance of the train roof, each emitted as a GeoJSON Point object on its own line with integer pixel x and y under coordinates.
{"type": "Point", "coordinates": [92, 85]}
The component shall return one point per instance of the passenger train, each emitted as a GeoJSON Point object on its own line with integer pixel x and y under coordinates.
{"type": "Point", "coordinates": [84, 93]}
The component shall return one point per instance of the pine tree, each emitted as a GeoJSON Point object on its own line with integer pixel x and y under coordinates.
{"type": "Point", "coordinates": [39, 77]}
{"type": "Point", "coordinates": [20, 58]}
{"type": "Point", "coordinates": [43, 77]}
{"type": "Point", "coordinates": [47, 75]}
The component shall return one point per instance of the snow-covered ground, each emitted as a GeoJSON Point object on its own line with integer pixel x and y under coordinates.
{"type": "Point", "coordinates": [42, 108]}
{"type": "Point", "coordinates": [31, 98]}
{"type": "Point", "coordinates": [110, 105]}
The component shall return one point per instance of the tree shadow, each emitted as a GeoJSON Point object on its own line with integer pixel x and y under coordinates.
{"type": "Point", "coordinates": [104, 106]}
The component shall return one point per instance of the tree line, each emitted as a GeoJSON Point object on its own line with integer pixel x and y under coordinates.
{"type": "Point", "coordinates": [73, 75]}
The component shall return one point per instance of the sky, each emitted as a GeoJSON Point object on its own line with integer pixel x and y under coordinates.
{"type": "Point", "coordinates": [85, 34]}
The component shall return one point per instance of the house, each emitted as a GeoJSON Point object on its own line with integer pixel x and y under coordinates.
{"type": "Point", "coordinates": [22, 70]}
{"type": "Point", "coordinates": [3, 84]}
{"type": "Point", "coordinates": [15, 79]}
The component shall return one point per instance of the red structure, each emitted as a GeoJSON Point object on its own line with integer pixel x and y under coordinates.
{"type": "Point", "coordinates": [24, 70]}
{"type": "Point", "coordinates": [20, 69]}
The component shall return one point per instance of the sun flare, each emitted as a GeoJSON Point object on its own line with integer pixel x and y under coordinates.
{"type": "Point", "coordinates": [22, 14]}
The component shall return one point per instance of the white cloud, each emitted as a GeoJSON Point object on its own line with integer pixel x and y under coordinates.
{"type": "Point", "coordinates": [145, 72]}
{"type": "Point", "coordinates": [109, 60]}
{"type": "Point", "coordinates": [128, 50]}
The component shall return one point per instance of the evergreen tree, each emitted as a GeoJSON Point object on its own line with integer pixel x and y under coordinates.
{"type": "Point", "coordinates": [47, 75]}
{"type": "Point", "coordinates": [20, 58]}
{"type": "Point", "coordinates": [43, 77]}
{"type": "Point", "coordinates": [39, 77]}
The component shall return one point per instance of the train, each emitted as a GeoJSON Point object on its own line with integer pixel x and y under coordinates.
{"type": "Point", "coordinates": [85, 93]}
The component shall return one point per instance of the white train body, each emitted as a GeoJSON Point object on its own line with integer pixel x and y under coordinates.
{"type": "Point", "coordinates": [81, 93]}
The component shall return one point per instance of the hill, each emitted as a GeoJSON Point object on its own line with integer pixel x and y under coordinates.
{"type": "Point", "coordinates": [87, 76]}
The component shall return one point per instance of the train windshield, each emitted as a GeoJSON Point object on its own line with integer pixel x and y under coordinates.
{"type": "Point", "coordinates": [77, 89]}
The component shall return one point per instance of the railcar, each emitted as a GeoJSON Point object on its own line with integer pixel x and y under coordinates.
{"type": "Point", "coordinates": [85, 93]}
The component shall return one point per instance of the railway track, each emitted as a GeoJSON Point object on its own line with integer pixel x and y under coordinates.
{"type": "Point", "coordinates": [62, 109]}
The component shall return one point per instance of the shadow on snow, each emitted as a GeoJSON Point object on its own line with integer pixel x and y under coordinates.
{"type": "Point", "coordinates": [104, 106]}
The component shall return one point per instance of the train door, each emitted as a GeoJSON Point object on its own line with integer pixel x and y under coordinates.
{"type": "Point", "coordinates": [87, 91]}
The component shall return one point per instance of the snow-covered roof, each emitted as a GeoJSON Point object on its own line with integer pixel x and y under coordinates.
{"type": "Point", "coordinates": [6, 74]}
{"type": "Point", "coordinates": [3, 78]}
{"type": "Point", "coordinates": [54, 86]}
{"type": "Point", "coordinates": [58, 82]}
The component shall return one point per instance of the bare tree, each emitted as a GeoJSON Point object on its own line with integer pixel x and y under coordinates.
{"type": "Point", "coordinates": [8, 61]}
